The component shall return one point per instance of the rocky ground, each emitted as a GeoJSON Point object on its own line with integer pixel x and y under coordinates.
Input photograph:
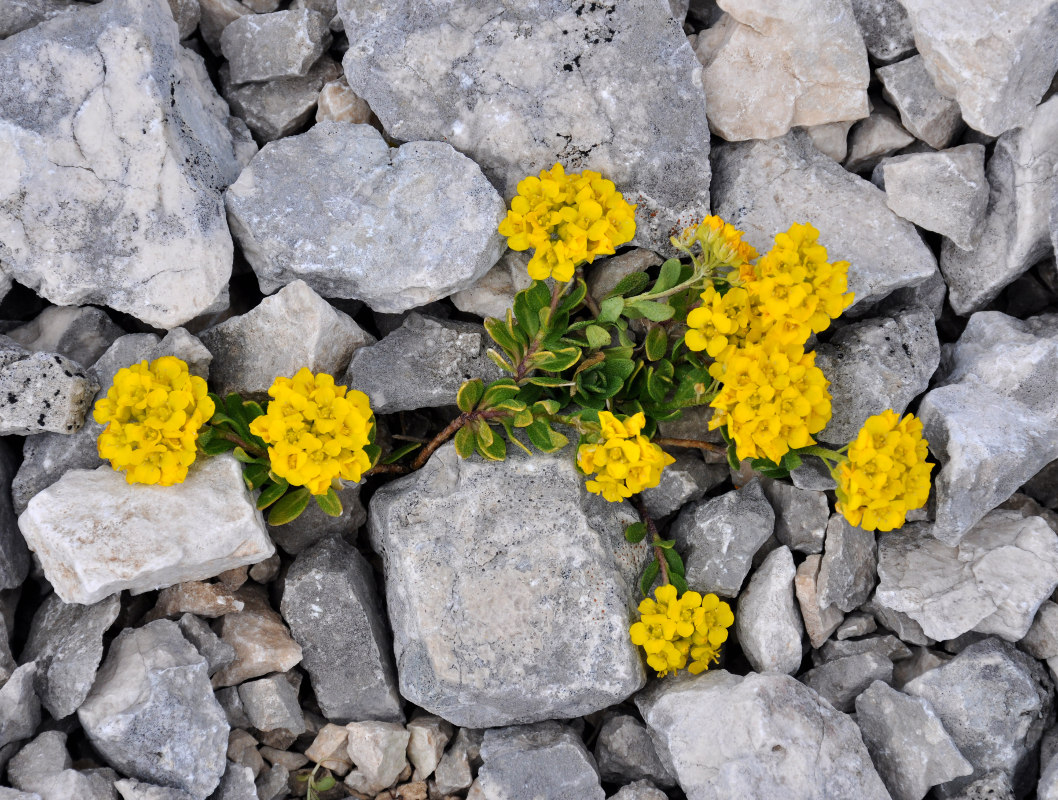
{"type": "Point", "coordinates": [222, 181]}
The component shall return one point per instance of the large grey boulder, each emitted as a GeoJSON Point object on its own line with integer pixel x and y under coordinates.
{"type": "Point", "coordinates": [117, 149]}
{"type": "Point", "coordinates": [152, 713]}
{"type": "Point", "coordinates": [767, 622]}
{"type": "Point", "coordinates": [771, 737]}
{"type": "Point", "coordinates": [540, 83]}
{"type": "Point", "coordinates": [762, 187]}
{"type": "Point", "coordinates": [547, 759]}
{"type": "Point", "coordinates": [492, 566]}
{"type": "Point", "coordinates": [369, 220]}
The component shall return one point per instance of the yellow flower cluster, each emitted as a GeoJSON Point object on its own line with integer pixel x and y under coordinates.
{"type": "Point", "coordinates": [625, 461]}
{"type": "Point", "coordinates": [316, 431]}
{"type": "Point", "coordinates": [886, 475]}
{"type": "Point", "coordinates": [721, 243]}
{"type": "Point", "coordinates": [674, 631]}
{"type": "Point", "coordinates": [153, 413]}
{"type": "Point", "coordinates": [720, 323]}
{"type": "Point", "coordinates": [567, 219]}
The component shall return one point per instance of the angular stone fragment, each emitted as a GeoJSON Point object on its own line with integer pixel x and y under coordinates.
{"type": "Point", "coordinates": [368, 221]}
{"type": "Point", "coordinates": [338, 103]}
{"type": "Point", "coordinates": [41, 392]}
{"type": "Point", "coordinates": [907, 742]}
{"type": "Point", "coordinates": [640, 790]}
{"type": "Point", "coordinates": [291, 329]}
{"type": "Point", "coordinates": [541, 83]}
{"type": "Point", "coordinates": [998, 78]}
{"type": "Point", "coordinates": [801, 515]}
{"type": "Point", "coordinates": [761, 187]}
{"type": "Point", "coordinates": [464, 562]}
{"type": "Point", "coordinates": [117, 149]}
{"type": "Point", "coordinates": [81, 334]}
{"type": "Point", "coordinates": [888, 646]}
{"type": "Point", "coordinates": [19, 15]}
{"type": "Point", "coordinates": [329, 749]}
{"type": "Point", "coordinates": [313, 525]}
{"type": "Point", "coordinates": [66, 641]}
{"type": "Point", "coordinates": [218, 654]}
{"type": "Point", "coordinates": [870, 140]}
{"type": "Point", "coordinates": [847, 571]}
{"type": "Point", "coordinates": [528, 761]}
{"type": "Point", "coordinates": [283, 44]}
{"type": "Point", "coordinates": [856, 625]}
{"type": "Point", "coordinates": [839, 681]}
{"type": "Point", "coordinates": [995, 702]}
{"type": "Point", "coordinates": [330, 602]}
{"type": "Point", "coordinates": [96, 535]}
{"type": "Point", "coordinates": [131, 789]}
{"type": "Point", "coordinates": [779, 739]}
{"type": "Point", "coordinates": [237, 784]}
{"type": "Point", "coordinates": [682, 482]}
{"type": "Point", "coordinates": [216, 15]}
{"type": "Point", "coordinates": [719, 537]}
{"type": "Point", "coordinates": [187, 13]}
{"type": "Point", "coordinates": [429, 735]}
{"type": "Point", "coordinates": [14, 555]}
{"type": "Point", "coordinates": [831, 139]}
{"type": "Point", "coordinates": [19, 705]}
{"type": "Point", "coordinates": [272, 703]}
{"type": "Point", "coordinates": [493, 293]}
{"type": "Point", "coordinates": [152, 713]}
{"type": "Point", "coordinates": [794, 63]}
{"type": "Point", "coordinates": [274, 784]}
{"type": "Point", "coordinates": [1016, 232]}
{"type": "Point", "coordinates": [1042, 639]}
{"type": "Point", "coordinates": [453, 772]}
{"type": "Point", "coordinates": [820, 621]}
{"type": "Point", "coordinates": [625, 752]}
{"type": "Point", "coordinates": [885, 27]}
{"type": "Point", "coordinates": [378, 749]}
{"type": "Point", "coordinates": [925, 112]}
{"type": "Point", "coordinates": [767, 623]}
{"type": "Point", "coordinates": [195, 597]}
{"type": "Point", "coordinates": [278, 108]}
{"type": "Point", "coordinates": [262, 642]}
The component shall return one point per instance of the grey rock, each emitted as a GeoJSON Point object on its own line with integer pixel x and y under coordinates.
{"type": "Point", "coordinates": [813, 476]}
{"type": "Point", "coordinates": [924, 112]}
{"type": "Point", "coordinates": [19, 15]}
{"type": "Point", "coordinates": [314, 526]}
{"type": "Point", "coordinates": [801, 515]}
{"type": "Point", "coordinates": [274, 784]}
{"type": "Point", "coordinates": [15, 794]}
{"type": "Point", "coordinates": [1042, 639]}
{"type": "Point", "coordinates": [216, 15]}
{"type": "Point", "coordinates": [14, 555]}
{"type": "Point", "coordinates": [81, 334]}
{"type": "Point", "coordinates": [922, 660]}
{"type": "Point", "coordinates": [625, 752]}
{"type": "Point", "coordinates": [152, 713]}
{"type": "Point", "coordinates": [272, 703]}
{"type": "Point", "coordinates": [779, 739]}
{"type": "Point", "coordinates": [856, 625]}
{"type": "Point", "coordinates": [453, 773]}
{"type": "Point", "coordinates": [719, 537]}
{"type": "Point", "coordinates": [820, 621]}
{"type": "Point", "coordinates": [874, 138]}
{"type": "Point", "coordinates": [907, 742]}
{"type": "Point", "coordinates": [291, 329]}
{"type": "Point", "coordinates": [237, 784]}
{"type": "Point", "coordinates": [96, 784]}
{"type": "Point", "coordinates": [278, 108]}
{"type": "Point", "coordinates": [481, 72]}
{"type": "Point", "coordinates": [640, 790]}
{"type": "Point", "coordinates": [66, 641]}
{"type": "Point", "coordinates": [329, 602]}
{"type": "Point", "coordinates": [132, 789]}
{"type": "Point", "coordinates": [997, 79]}
{"type": "Point", "coordinates": [283, 44]}
{"type": "Point", "coordinates": [847, 572]}
{"type": "Point", "coordinates": [1016, 231]}
{"type": "Point", "coordinates": [230, 701]}
{"type": "Point", "coordinates": [43, 756]}
{"type": "Point", "coordinates": [899, 623]}
{"type": "Point", "coordinates": [887, 646]}
{"type": "Point", "coordinates": [41, 392]}
{"type": "Point", "coordinates": [542, 760]}
{"type": "Point", "coordinates": [991, 786]}
{"type": "Point", "coordinates": [493, 293]}
{"type": "Point", "coordinates": [603, 276]}
{"type": "Point", "coordinates": [100, 221]}
{"type": "Point", "coordinates": [379, 751]}
{"type": "Point", "coordinates": [187, 13]}
{"type": "Point", "coordinates": [945, 192]}
{"type": "Point", "coordinates": [991, 582]}
{"type": "Point", "coordinates": [242, 749]}
{"type": "Point", "coordinates": [841, 680]}
{"type": "Point", "coordinates": [995, 702]}
{"type": "Point", "coordinates": [422, 364]}
{"type": "Point", "coordinates": [218, 654]}
{"type": "Point", "coordinates": [19, 705]}
{"type": "Point", "coordinates": [760, 187]}
{"type": "Point", "coordinates": [886, 29]}
{"type": "Point", "coordinates": [767, 623]}
{"type": "Point", "coordinates": [685, 481]}
{"type": "Point", "coordinates": [339, 239]}
{"type": "Point", "coordinates": [930, 293]}
{"type": "Point", "coordinates": [460, 557]}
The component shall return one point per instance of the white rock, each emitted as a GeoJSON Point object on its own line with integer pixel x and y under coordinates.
{"type": "Point", "coordinates": [283, 44]}
{"type": "Point", "coordinates": [378, 749]}
{"type": "Point", "coordinates": [493, 293]}
{"type": "Point", "coordinates": [82, 334]}
{"type": "Point", "coordinates": [41, 392]}
{"type": "Point", "coordinates": [95, 534]}
{"type": "Point", "coordinates": [767, 622]}
{"type": "Point", "coordinates": [925, 112]}
{"type": "Point", "coordinates": [429, 735]}
{"type": "Point", "coordinates": [831, 138]}
{"type": "Point", "coordinates": [886, 29]}
{"type": "Point", "coordinates": [216, 15]}
{"type": "Point", "coordinates": [874, 138]}
{"type": "Point", "coordinates": [847, 571]}
{"type": "Point", "coordinates": [1042, 639]}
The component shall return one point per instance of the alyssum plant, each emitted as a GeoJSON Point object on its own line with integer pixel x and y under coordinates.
{"type": "Point", "coordinates": [719, 326]}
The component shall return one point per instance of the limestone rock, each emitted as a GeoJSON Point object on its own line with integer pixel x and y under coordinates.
{"type": "Point", "coordinates": [529, 761]}
{"type": "Point", "coordinates": [368, 221]}
{"type": "Point", "coordinates": [218, 653]}
{"type": "Point", "coordinates": [79, 333]}
{"type": "Point", "coordinates": [216, 15]}
{"type": "Point", "coordinates": [624, 752]}
{"type": "Point", "coordinates": [96, 535]}
{"type": "Point", "coordinates": [282, 44]}
{"type": "Point", "coordinates": [152, 713]}
{"type": "Point", "coordinates": [761, 187]}
{"type": "Point", "coordinates": [640, 790]}
{"type": "Point", "coordinates": [885, 27]}
{"type": "Point", "coordinates": [272, 703]}
{"type": "Point", "coordinates": [540, 83]}
{"type": "Point", "coordinates": [117, 150]}
{"type": "Point", "coordinates": [314, 526]}
{"type": "Point", "coordinates": [801, 515]}
{"type": "Point", "coordinates": [493, 293]}
{"type": "Point", "coordinates": [839, 681]}
{"type": "Point", "coordinates": [453, 772]}
{"type": "Point", "coordinates": [19, 15]}
{"type": "Point", "coordinates": [378, 751]}
{"type": "Point", "coordinates": [682, 482]}
{"type": "Point", "coordinates": [820, 620]}
{"type": "Point", "coordinates": [767, 623]}
{"type": "Point", "coordinates": [793, 63]}
{"type": "Point", "coordinates": [19, 705]}
{"type": "Point", "coordinates": [195, 597]}
{"type": "Point", "coordinates": [831, 139]}
{"type": "Point", "coordinates": [262, 642]}
{"type": "Point", "coordinates": [870, 140]}
{"type": "Point", "coordinates": [428, 737]}
{"type": "Point", "coordinates": [338, 103]}
{"type": "Point", "coordinates": [847, 571]}
{"type": "Point", "coordinates": [131, 789]}
{"type": "Point", "coordinates": [468, 548]}
{"type": "Point", "coordinates": [14, 555]}
{"type": "Point", "coordinates": [41, 392]}
{"type": "Point", "coordinates": [925, 112]}
{"type": "Point", "coordinates": [187, 13]}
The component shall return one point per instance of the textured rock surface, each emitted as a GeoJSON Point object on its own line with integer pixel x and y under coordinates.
{"type": "Point", "coordinates": [117, 149]}
{"type": "Point", "coordinates": [925, 112]}
{"type": "Point", "coordinates": [152, 713]}
{"type": "Point", "coordinates": [262, 642]}
{"type": "Point", "coordinates": [847, 571]}
{"type": "Point", "coordinates": [529, 761]}
{"type": "Point", "coordinates": [14, 556]}
{"type": "Point", "coordinates": [369, 221]}
{"type": "Point", "coordinates": [283, 44]}
{"type": "Point", "coordinates": [870, 140]}
{"type": "Point", "coordinates": [272, 703]}
{"type": "Point", "coordinates": [761, 187]}
{"type": "Point", "coordinates": [81, 334]}
{"type": "Point", "coordinates": [96, 535]}
{"type": "Point", "coordinates": [767, 623]}
{"type": "Point", "coordinates": [338, 103]}
{"type": "Point", "coordinates": [682, 482]}
{"type": "Point", "coordinates": [820, 620]}
{"type": "Point", "coordinates": [801, 515]}
{"type": "Point", "coordinates": [19, 705]}
{"type": "Point", "coordinates": [522, 87]}
{"type": "Point", "coordinates": [885, 27]}
{"type": "Point", "coordinates": [625, 752]}
{"type": "Point", "coordinates": [779, 739]}
{"type": "Point", "coordinates": [478, 585]}
{"type": "Point", "coordinates": [839, 681]}
{"type": "Point", "coordinates": [378, 750]}
{"type": "Point", "coordinates": [41, 392]}
{"type": "Point", "coordinates": [793, 63]}
{"type": "Point", "coordinates": [493, 293]}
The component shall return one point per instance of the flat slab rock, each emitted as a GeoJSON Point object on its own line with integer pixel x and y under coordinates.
{"type": "Point", "coordinates": [96, 535]}
{"type": "Point", "coordinates": [510, 589]}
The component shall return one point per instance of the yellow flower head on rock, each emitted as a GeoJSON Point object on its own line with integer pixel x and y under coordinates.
{"type": "Point", "coordinates": [674, 631]}
{"type": "Point", "coordinates": [567, 219]}
{"type": "Point", "coordinates": [625, 461]}
{"type": "Point", "coordinates": [721, 243]}
{"type": "Point", "coordinates": [315, 431]}
{"type": "Point", "coordinates": [153, 413]}
{"type": "Point", "coordinates": [721, 323]}
{"type": "Point", "coordinates": [886, 475]}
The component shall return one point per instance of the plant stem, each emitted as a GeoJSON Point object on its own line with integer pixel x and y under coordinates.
{"type": "Point", "coordinates": [698, 444]}
{"type": "Point", "coordinates": [447, 433]}
{"type": "Point", "coordinates": [825, 454]}
{"type": "Point", "coordinates": [252, 449]}
{"type": "Point", "coordinates": [522, 367]}
{"type": "Point", "coordinates": [652, 529]}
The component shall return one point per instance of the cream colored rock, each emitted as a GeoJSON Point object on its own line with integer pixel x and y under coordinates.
{"type": "Point", "coordinates": [329, 749]}
{"type": "Point", "coordinates": [819, 621]}
{"type": "Point", "coordinates": [96, 535]}
{"type": "Point", "coordinates": [379, 751]}
{"type": "Point", "coordinates": [262, 642]}
{"type": "Point", "coordinates": [771, 65]}
{"type": "Point", "coordinates": [339, 103]}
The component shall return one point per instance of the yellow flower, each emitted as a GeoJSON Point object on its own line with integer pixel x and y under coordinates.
{"type": "Point", "coordinates": [721, 323]}
{"type": "Point", "coordinates": [625, 461]}
{"type": "Point", "coordinates": [567, 220]}
{"type": "Point", "coordinates": [886, 475]}
{"type": "Point", "coordinates": [721, 243]}
{"type": "Point", "coordinates": [672, 631]}
{"type": "Point", "coordinates": [773, 398]}
{"type": "Point", "coordinates": [316, 431]}
{"type": "Point", "coordinates": [153, 413]}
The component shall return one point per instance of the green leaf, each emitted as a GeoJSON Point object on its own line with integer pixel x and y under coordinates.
{"type": "Point", "coordinates": [650, 574]}
{"type": "Point", "coordinates": [546, 407]}
{"type": "Point", "coordinates": [522, 418]}
{"type": "Point", "coordinates": [665, 544]}
{"type": "Point", "coordinates": [669, 276]}
{"type": "Point", "coordinates": [215, 446]}
{"type": "Point", "coordinates": [610, 309]}
{"type": "Point", "coordinates": [506, 423]}
{"type": "Point", "coordinates": [635, 532]}
{"type": "Point", "coordinates": [252, 410]}
{"type": "Point", "coordinates": [324, 783]}
{"type": "Point", "coordinates": [502, 335]}
{"type": "Point", "coordinates": [289, 506]}
{"type": "Point", "coordinates": [498, 392]}
{"type": "Point", "coordinates": [547, 380]}
{"type": "Point", "coordinates": [329, 503]}
{"type": "Point", "coordinates": [680, 582]}
{"type": "Point", "coordinates": [732, 457]}
{"type": "Point", "coordinates": [271, 493]}
{"type": "Point", "coordinates": [244, 457]}
{"type": "Point", "coordinates": [499, 361]}
{"type": "Point", "coordinates": [672, 558]}
{"type": "Point", "coordinates": [657, 343]}
{"type": "Point", "coordinates": [400, 452]}
{"type": "Point", "coordinates": [630, 284]}
{"type": "Point", "coordinates": [574, 297]}
{"type": "Point", "coordinates": [528, 318]}
{"type": "Point", "coordinates": [255, 475]}
{"type": "Point", "coordinates": [469, 393]}
{"type": "Point", "coordinates": [597, 336]}
{"type": "Point", "coordinates": [556, 360]}
{"type": "Point", "coordinates": [494, 449]}
{"type": "Point", "coordinates": [373, 453]}
{"type": "Point", "coordinates": [544, 437]}
{"type": "Point", "coordinates": [654, 311]}
{"type": "Point", "coordinates": [538, 295]}
{"type": "Point", "coordinates": [465, 441]}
